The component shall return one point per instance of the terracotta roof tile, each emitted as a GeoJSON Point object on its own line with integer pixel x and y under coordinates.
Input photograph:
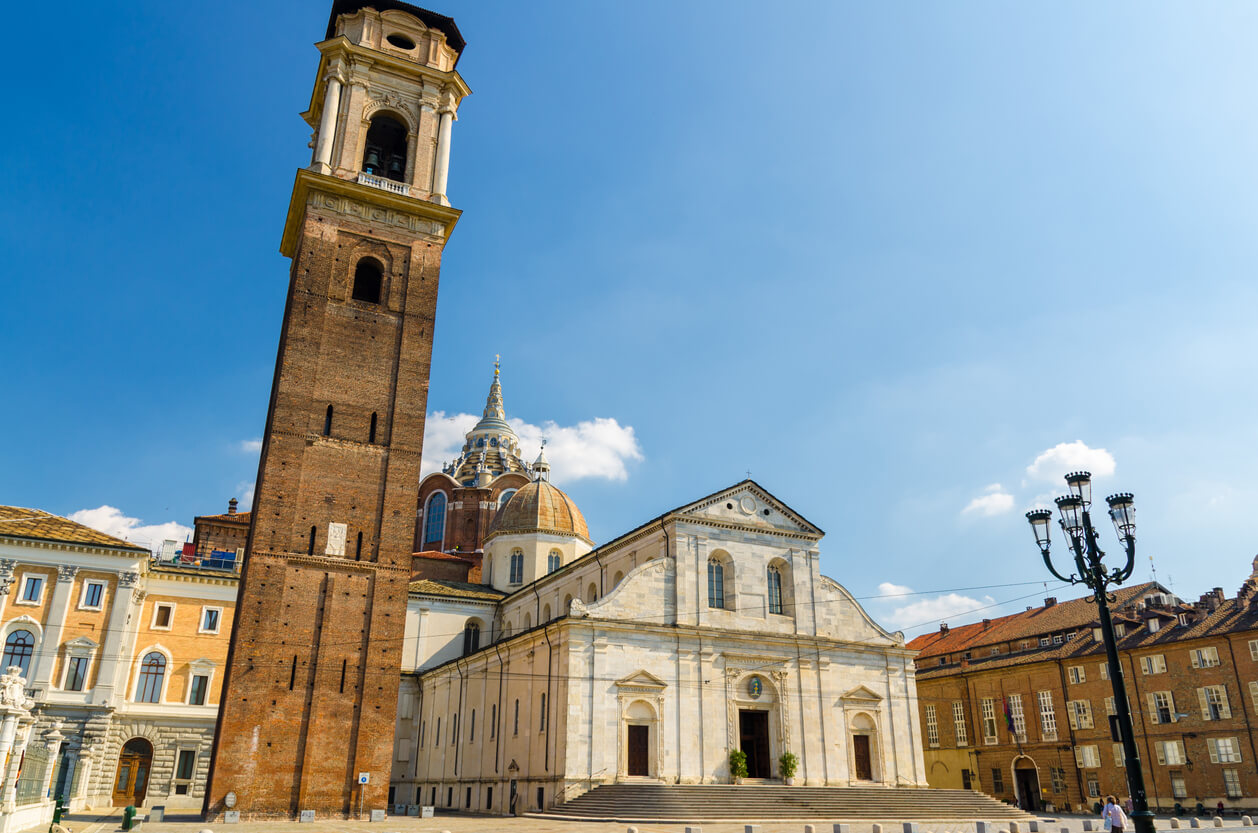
{"type": "Point", "coordinates": [1069, 615]}
{"type": "Point", "coordinates": [457, 589]}
{"type": "Point", "coordinates": [35, 524]}
{"type": "Point", "coordinates": [430, 555]}
{"type": "Point", "coordinates": [230, 517]}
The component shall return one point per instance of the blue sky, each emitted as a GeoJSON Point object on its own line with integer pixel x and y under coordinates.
{"type": "Point", "coordinates": [884, 256]}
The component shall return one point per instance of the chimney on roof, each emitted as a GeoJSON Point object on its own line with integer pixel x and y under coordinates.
{"type": "Point", "coordinates": [231, 506]}
{"type": "Point", "coordinates": [943, 629]}
{"type": "Point", "coordinates": [1050, 601]}
{"type": "Point", "coordinates": [987, 623]}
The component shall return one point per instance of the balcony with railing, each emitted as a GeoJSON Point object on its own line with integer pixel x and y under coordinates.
{"type": "Point", "coordinates": [384, 184]}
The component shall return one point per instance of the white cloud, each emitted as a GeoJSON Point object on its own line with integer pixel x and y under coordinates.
{"type": "Point", "coordinates": [244, 492]}
{"type": "Point", "coordinates": [1056, 462]}
{"type": "Point", "coordinates": [111, 521]}
{"type": "Point", "coordinates": [996, 501]}
{"type": "Point", "coordinates": [251, 446]}
{"type": "Point", "coordinates": [443, 439]}
{"type": "Point", "coordinates": [926, 611]}
{"type": "Point", "coordinates": [598, 448]}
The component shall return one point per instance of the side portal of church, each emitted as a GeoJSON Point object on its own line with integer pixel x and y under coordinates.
{"type": "Point", "coordinates": [707, 630]}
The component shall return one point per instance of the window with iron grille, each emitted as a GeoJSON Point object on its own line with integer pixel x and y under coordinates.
{"type": "Point", "coordinates": [932, 725]}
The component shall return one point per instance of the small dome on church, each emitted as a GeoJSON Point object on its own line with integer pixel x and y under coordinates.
{"type": "Point", "coordinates": [540, 507]}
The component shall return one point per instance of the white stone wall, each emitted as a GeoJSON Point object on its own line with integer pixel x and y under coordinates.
{"type": "Point", "coordinates": [650, 650]}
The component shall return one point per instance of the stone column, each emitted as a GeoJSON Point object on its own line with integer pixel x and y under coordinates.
{"type": "Point", "coordinates": [8, 801]}
{"type": "Point", "coordinates": [114, 652]}
{"type": "Point", "coordinates": [327, 125]}
{"type": "Point", "coordinates": [46, 655]}
{"type": "Point", "coordinates": [53, 739]}
{"type": "Point", "coordinates": [441, 171]}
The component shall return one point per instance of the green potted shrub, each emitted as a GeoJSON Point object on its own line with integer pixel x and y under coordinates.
{"type": "Point", "coordinates": [737, 765]}
{"type": "Point", "coordinates": [787, 764]}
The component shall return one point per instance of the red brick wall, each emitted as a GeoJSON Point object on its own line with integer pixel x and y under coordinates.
{"type": "Point", "coordinates": [311, 687]}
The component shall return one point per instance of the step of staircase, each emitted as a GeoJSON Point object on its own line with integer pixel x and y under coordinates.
{"type": "Point", "coordinates": [700, 802]}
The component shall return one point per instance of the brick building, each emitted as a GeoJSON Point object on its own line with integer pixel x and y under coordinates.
{"type": "Point", "coordinates": [122, 657]}
{"type": "Point", "coordinates": [1019, 706]}
{"type": "Point", "coordinates": [220, 539]}
{"type": "Point", "coordinates": [316, 651]}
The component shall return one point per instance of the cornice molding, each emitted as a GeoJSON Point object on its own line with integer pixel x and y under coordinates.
{"type": "Point", "coordinates": [364, 204]}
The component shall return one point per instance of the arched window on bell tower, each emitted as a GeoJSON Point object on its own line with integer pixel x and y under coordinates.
{"type": "Point", "coordinates": [385, 151]}
{"type": "Point", "coordinates": [368, 278]}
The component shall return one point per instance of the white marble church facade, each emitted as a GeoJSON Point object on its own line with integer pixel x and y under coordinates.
{"type": "Point", "coordinates": [651, 657]}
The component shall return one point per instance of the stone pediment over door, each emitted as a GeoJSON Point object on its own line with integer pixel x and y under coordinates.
{"type": "Point", "coordinates": [642, 682]}
{"type": "Point", "coordinates": [861, 696]}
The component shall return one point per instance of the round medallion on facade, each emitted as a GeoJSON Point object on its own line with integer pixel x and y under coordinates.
{"type": "Point", "coordinates": [755, 687]}
{"type": "Point", "coordinates": [747, 504]}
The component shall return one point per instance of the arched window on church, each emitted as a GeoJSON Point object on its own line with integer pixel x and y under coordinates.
{"type": "Point", "coordinates": [517, 566]}
{"type": "Point", "coordinates": [384, 152]}
{"type": "Point", "coordinates": [591, 594]}
{"type": "Point", "coordinates": [368, 278]}
{"type": "Point", "coordinates": [553, 561]}
{"type": "Point", "coordinates": [471, 638]}
{"type": "Point", "coordinates": [716, 583]}
{"type": "Point", "coordinates": [775, 589]}
{"type": "Point", "coordinates": [435, 522]}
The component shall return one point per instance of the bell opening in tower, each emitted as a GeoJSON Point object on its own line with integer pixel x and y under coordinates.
{"type": "Point", "coordinates": [385, 154]}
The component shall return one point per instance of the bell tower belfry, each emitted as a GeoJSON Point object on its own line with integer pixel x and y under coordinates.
{"type": "Point", "coordinates": [311, 686]}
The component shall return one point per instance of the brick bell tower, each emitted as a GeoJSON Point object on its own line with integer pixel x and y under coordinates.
{"type": "Point", "coordinates": [311, 687]}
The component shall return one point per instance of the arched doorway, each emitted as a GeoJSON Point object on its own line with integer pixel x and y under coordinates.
{"type": "Point", "coordinates": [1026, 779]}
{"type": "Point", "coordinates": [131, 783]}
{"type": "Point", "coordinates": [640, 730]}
{"type": "Point", "coordinates": [865, 753]}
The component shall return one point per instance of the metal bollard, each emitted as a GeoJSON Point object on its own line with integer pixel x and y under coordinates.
{"type": "Point", "coordinates": [910, 827]}
{"type": "Point", "coordinates": [1087, 826]}
{"type": "Point", "coordinates": [982, 827]}
{"type": "Point", "coordinates": [1033, 826]}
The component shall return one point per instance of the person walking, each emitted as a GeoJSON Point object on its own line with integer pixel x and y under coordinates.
{"type": "Point", "coordinates": [1114, 817]}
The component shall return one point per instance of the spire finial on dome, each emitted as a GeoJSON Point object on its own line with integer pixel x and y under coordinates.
{"type": "Point", "coordinates": [493, 403]}
{"type": "Point", "coordinates": [541, 466]}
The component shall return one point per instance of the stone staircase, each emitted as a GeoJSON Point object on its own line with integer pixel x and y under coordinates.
{"type": "Point", "coordinates": [693, 803]}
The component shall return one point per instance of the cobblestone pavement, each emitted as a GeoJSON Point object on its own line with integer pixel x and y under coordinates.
{"type": "Point", "coordinates": [457, 823]}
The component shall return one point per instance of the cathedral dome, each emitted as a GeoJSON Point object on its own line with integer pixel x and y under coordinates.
{"type": "Point", "coordinates": [540, 507]}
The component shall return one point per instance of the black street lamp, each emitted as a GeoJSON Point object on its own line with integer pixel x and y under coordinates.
{"type": "Point", "coordinates": [1076, 523]}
